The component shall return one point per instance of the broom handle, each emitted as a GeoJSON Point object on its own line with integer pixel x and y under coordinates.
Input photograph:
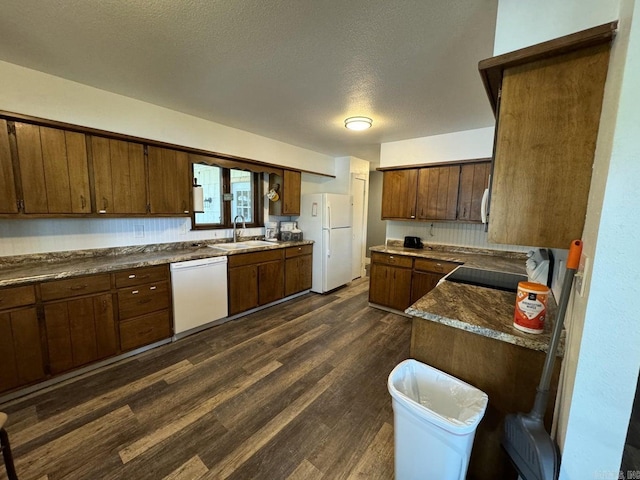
{"type": "Point", "coordinates": [573, 260]}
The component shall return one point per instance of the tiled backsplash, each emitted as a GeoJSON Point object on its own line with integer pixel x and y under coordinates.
{"type": "Point", "coordinates": [23, 237]}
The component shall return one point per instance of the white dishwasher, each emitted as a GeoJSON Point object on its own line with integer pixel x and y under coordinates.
{"type": "Point", "coordinates": [199, 293]}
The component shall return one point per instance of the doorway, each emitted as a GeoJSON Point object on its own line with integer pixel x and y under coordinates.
{"type": "Point", "coordinates": [358, 242]}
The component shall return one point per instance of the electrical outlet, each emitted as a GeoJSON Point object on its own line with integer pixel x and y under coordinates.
{"type": "Point", "coordinates": [138, 231]}
{"type": "Point", "coordinates": [183, 228]}
{"type": "Point", "coordinates": [583, 270]}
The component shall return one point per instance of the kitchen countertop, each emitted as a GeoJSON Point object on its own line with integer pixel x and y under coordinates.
{"type": "Point", "coordinates": [25, 269]}
{"type": "Point", "coordinates": [483, 311]}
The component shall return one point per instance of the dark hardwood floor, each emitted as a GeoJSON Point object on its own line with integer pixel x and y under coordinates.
{"type": "Point", "coordinates": [296, 391]}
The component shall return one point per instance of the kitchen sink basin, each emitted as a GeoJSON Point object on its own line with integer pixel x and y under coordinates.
{"type": "Point", "coordinates": [257, 243]}
{"type": "Point", "coordinates": [242, 245]}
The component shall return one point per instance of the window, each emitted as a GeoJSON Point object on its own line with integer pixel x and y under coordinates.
{"type": "Point", "coordinates": [227, 193]}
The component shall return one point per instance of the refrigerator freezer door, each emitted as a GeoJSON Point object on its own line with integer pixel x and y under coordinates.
{"type": "Point", "coordinates": [336, 210]}
{"type": "Point", "coordinates": [336, 258]}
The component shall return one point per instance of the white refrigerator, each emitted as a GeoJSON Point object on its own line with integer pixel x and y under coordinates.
{"type": "Point", "coordinates": [325, 218]}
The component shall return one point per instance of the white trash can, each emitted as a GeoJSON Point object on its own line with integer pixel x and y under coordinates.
{"type": "Point", "coordinates": [435, 420]}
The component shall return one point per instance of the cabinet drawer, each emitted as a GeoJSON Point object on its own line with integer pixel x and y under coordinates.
{"type": "Point", "coordinates": [143, 299]}
{"type": "Point", "coordinates": [138, 276]}
{"type": "Point", "coordinates": [17, 297]}
{"type": "Point", "coordinates": [396, 260]}
{"type": "Point", "coordinates": [256, 257]}
{"type": "Point", "coordinates": [144, 330]}
{"type": "Point", "coordinates": [291, 252]}
{"type": "Point", "coordinates": [437, 266]}
{"type": "Point", "coordinates": [75, 286]}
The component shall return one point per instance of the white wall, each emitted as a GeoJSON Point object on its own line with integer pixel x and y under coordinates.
{"type": "Point", "coordinates": [522, 24]}
{"type": "Point", "coordinates": [449, 147]}
{"type": "Point", "coordinates": [34, 93]}
{"type": "Point", "coordinates": [376, 228]}
{"type": "Point", "coordinates": [602, 359]}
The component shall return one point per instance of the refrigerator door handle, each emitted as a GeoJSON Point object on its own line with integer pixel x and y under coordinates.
{"type": "Point", "coordinates": [329, 242]}
{"type": "Point", "coordinates": [328, 215]}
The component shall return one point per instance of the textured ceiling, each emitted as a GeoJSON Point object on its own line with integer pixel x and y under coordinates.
{"type": "Point", "coordinates": [291, 70]}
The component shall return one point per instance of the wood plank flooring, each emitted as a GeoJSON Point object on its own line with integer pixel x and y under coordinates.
{"type": "Point", "coordinates": [296, 391]}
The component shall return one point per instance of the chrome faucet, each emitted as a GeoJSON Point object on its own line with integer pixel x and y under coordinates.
{"type": "Point", "coordinates": [235, 230]}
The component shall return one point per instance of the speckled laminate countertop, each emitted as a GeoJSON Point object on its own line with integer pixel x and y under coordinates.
{"type": "Point", "coordinates": [479, 310]}
{"type": "Point", "coordinates": [50, 266]}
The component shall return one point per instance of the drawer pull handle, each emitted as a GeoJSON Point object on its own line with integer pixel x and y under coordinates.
{"type": "Point", "coordinates": [153, 288]}
{"type": "Point", "coordinates": [79, 287]}
{"type": "Point", "coordinates": [135, 292]}
{"type": "Point", "coordinates": [133, 275]}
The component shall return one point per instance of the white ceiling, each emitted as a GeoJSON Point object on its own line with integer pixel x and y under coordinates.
{"type": "Point", "coordinates": [291, 70]}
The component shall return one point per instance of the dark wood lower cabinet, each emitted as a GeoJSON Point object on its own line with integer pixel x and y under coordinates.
{"type": "Point", "coordinates": [140, 331]}
{"type": "Point", "coordinates": [398, 281]}
{"type": "Point", "coordinates": [75, 322]}
{"type": "Point", "coordinates": [422, 283]}
{"type": "Point", "coordinates": [21, 361]}
{"type": "Point", "coordinates": [79, 331]}
{"type": "Point", "coordinates": [243, 288]}
{"type": "Point", "coordinates": [144, 306]}
{"type": "Point", "coordinates": [270, 282]}
{"type": "Point", "coordinates": [297, 274]}
{"type": "Point", "coordinates": [255, 279]}
{"type": "Point", "coordinates": [391, 286]}
{"type": "Point", "coordinates": [426, 275]}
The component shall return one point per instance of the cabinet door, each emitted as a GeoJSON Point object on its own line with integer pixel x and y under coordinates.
{"type": "Point", "coordinates": [243, 288]}
{"type": "Point", "coordinates": [270, 282]}
{"type": "Point", "coordinates": [399, 288]}
{"type": "Point", "coordinates": [79, 331]}
{"type": "Point", "coordinates": [119, 176]}
{"type": "Point", "coordinates": [422, 283]}
{"type": "Point", "coordinates": [20, 349]}
{"type": "Point", "coordinates": [474, 179]}
{"type": "Point", "coordinates": [399, 189]}
{"type": "Point", "coordinates": [8, 198]}
{"type": "Point", "coordinates": [291, 193]}
{"type": "Point", "coordinates": [438, 193]}
{"type": "Point", "coordinates": [545, 143]}
{"type": "Point", "coordinates": [297, 274]}
{"type": "Point", "coordinates": [168, 181]}
{"type": "Point", "coordinates": [378, 284]}
{"type": "Point", "coordinates": [53, 169]}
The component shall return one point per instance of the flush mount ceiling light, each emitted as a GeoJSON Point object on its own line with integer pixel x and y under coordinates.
{"type": "Point", "coordinates": [358, 123]}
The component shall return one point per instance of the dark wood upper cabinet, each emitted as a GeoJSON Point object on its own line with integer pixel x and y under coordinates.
{"type": "Point", "coordinates": [474, 179]}
{"type": "Point", "coordinates": [168, 181]}
{"type": "Point", "coordinates": [438, 193]}
{"type": "Point", "coordinates": [120, 178]}
{"type": "Point", "coordinates": [8, 197]}
{"type": "Point", "coordinates": [449, 192]}
{"type": "Point", "coordinates": [399, 194]}
{"type": "Point", "coordinates": [289, 191]}
{"type": "Point", "coordinates": [53, 169]}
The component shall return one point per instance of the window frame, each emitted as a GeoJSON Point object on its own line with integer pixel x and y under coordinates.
{"type": "Point", "coordinates": [227, 221]}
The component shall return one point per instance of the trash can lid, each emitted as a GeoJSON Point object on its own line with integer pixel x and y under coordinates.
{"type": "Point", "coordinates": [437, 396]}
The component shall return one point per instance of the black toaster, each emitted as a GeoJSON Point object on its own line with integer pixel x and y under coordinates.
{"type": "Point", "coordinates": [412, 242]}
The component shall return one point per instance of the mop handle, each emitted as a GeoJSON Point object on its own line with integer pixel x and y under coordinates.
{"type": "Point", "coordinates": [573, 260]}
